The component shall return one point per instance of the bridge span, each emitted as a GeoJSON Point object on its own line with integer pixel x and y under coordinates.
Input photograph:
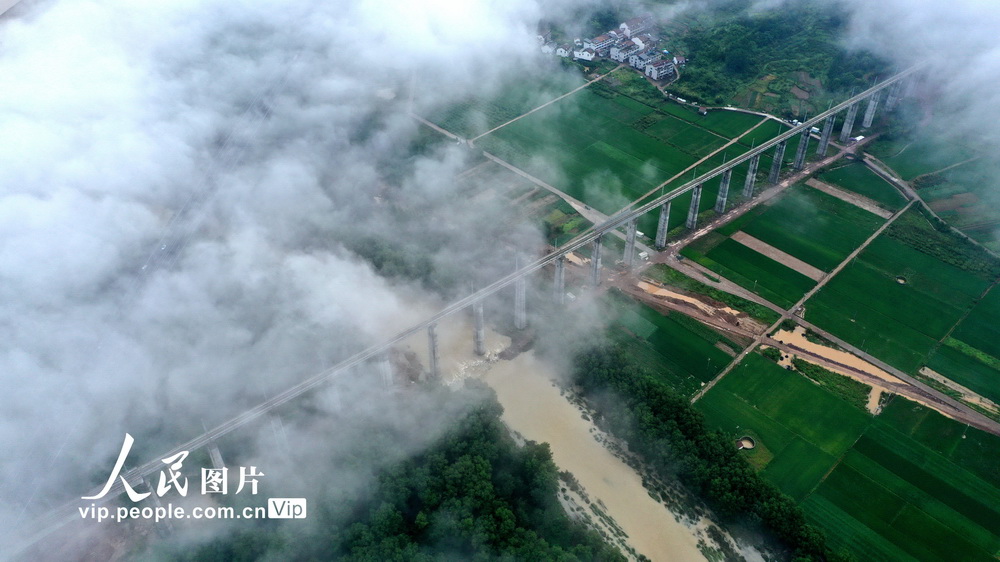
{"type": "Point", "coordinates": [626, 217]}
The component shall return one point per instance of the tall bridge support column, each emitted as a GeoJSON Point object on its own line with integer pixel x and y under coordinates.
{"type": "Point", "coordinates": [479, 335]}
{"type": "Point", "coordinates": [720, 201]}
{"type": "Point", "coordinates": [852, 113]}
{"type": "Point", "coordinates": [216, 456]}
{"type": "Point", "coordinates": [870, 110]}
{"type": "Point", "coordinates": [893, 97]}
{"type": "Point", "coordinates": [520, 304]}
{"type": "Point", "coordinates": [661, 227]}
{"type": "Point", "coordinates": [559, 284]}
{"type": "Point", "coordinates": [629, 257]}
{"type": "Point", "coordinates": [800, 154]}
{"type": "Point", "coordinates": [824, 139]}
{"type": "Point", "coordinates": [751, 177]}
{"type": "Point", "coordinates": [595, 263]}
{"type": "Point", "coordinates": [779, 157]}
{"type": "Point", "coordinates": [692, 220]}
{"type": "Point", "coordinates": [434, 372]}
{"type": "Point", "coordinates": [385, 369]}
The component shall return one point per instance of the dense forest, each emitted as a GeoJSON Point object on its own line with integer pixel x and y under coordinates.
{"type": "Point", "coordinates": [474, 495]}
{"type": "Point", "coordinates": [672, 438]}
{"type": "Point", "coordinates": [785, 60]}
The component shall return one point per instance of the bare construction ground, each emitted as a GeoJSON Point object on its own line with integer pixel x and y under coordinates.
{"type": "Point", "coordinates": [852, 198]}
{"type": "Point", "coordinates": [777, 255]}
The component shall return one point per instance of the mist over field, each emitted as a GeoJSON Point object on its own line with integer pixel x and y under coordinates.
{"type": "Point", "coordinates": [180, 181]}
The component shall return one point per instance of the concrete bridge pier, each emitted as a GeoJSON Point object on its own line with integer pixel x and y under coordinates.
{"type": "Point", "coordinates": [216, 456]}
{"type": "Point", "coordinates": [751, 181]}
{"type": "Point", "coordinates": [595, 262]}
{"type": "Point", "coordinates": [779, 157]}
{"type": "Point", "coordinates": [852, 113]}
{"type": "Point", "coordinates": [800, 154]}
{"type": "Point", "coordinates": [892, 99]}
{"type": "Point", "coordinates": [629, 257]}
{"type": "Point", "coordinates": [661, 227]}
{"type": "Point", "coordinates": [824, 139]}
{"type": "Point", "coordinates": [434, 372]}
{"type": "Point", "coordinates": [559, 285]}
{"type": "Point", "coordinates": [385, 369]}
{"type": "Point", "coordinates": [520, 304]}
{"type": "Point", "coordinates": [479, 335]}
{"type": "Point", "coordinates": [870, 110]}
{"type": "Point", "coordinates": [692, 219]}
{"type": "Point", "coordinates": [720, 201]}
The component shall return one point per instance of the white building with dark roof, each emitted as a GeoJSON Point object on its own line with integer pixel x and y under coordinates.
{"type": "Point", "coordinates": [599, 43]}
{"type": "Point", "coordinates": [584, 54]}
{"type": "Point", "coordinates": [623, 50]}
{"type": "Point", "coordinates": [640, 60]}
{"type": "Point", "coordinates": [564, 50]}
{"type": "Point", "coordinates": [635, 26]}
{"type": "Point", "coordinates": [660, 70]}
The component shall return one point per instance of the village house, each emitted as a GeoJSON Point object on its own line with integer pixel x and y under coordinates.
{"type": "Point", "coordinates": [599, 43]}
{"type": "Point", "coordinates": [644, 41]}
{"type": "Point", "coordinates": [584, 54]}
{"type": "Point", "coordinates": [640, 60]}
{"type": "Point", "coordinates": [660, 70]}
{"type": "Point", "coordinates": [622, 51]}
{"type": "Point", "coordinates": [564, 50]}
{"type": "Point", "coordinates": [635, 26]}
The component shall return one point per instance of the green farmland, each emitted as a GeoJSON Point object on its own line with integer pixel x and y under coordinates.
{"type": "Point", "coordinates": [800, 428]}
{"type": "Point", "coordinates": [899, 486]}
{"type": "Point", "coordinates": [771, 280]}
{"type": "Point", "coordinates": [905, 492]}
{"type": "Point", "coordinates": [473, 117]}
{"type": "Point", "coordinates": [817, 228]}
{"type": "Point", "coordinates": [680, 350]}
{"type": "Point", "coordinates": [858, 178]}
{"type": "Point", "coordinates": [608, 149]}
{"type": "Point", "coordinates": [896, 301]}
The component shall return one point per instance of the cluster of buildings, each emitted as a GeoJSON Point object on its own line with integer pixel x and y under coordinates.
{"type": "Point", "coordinates": [630, 43]}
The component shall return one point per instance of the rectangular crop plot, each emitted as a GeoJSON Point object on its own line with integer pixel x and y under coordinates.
{"type": "Point", "coordinates": [771, 280]}
{"type": "Point", "coordinates": [967, 371]}
{"type": "Point", "coordinates": [895, 302]}
{"type": "Point", "coordinates": [981, 329]}
{"type": "Point", "coordinates": [684, 353]}
{"type": "Point", "coordinates": [608, 150]}
{"type": "Point", "coordinates": [817, 228]}
{"type": "Point", "coordinates": [585, 146]}
{"type": "Point", "coordinates": [803, 425]}
{"type": "Point", "coordinates": [798, 468]}
{"type": "Point", "coordinates": [858, 178]}
{"type": "Point", "coordinates": [728, 123]}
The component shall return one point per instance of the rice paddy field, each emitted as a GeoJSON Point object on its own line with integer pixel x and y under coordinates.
{"type": "Point", "coordinates": [856, 177]}
{"type": "Point", "coordinates": [810, 225]}
{"type": "Point", "coordinates": [957, 182]}
{"type": "Point", "coordinates": [681, 351]}
{"type": "Point", "coordinates": [608, 149]}
{"type": "Point", "coordinates": [908, 484]}
{"type": "Point", "coordinates": [896, 301]}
